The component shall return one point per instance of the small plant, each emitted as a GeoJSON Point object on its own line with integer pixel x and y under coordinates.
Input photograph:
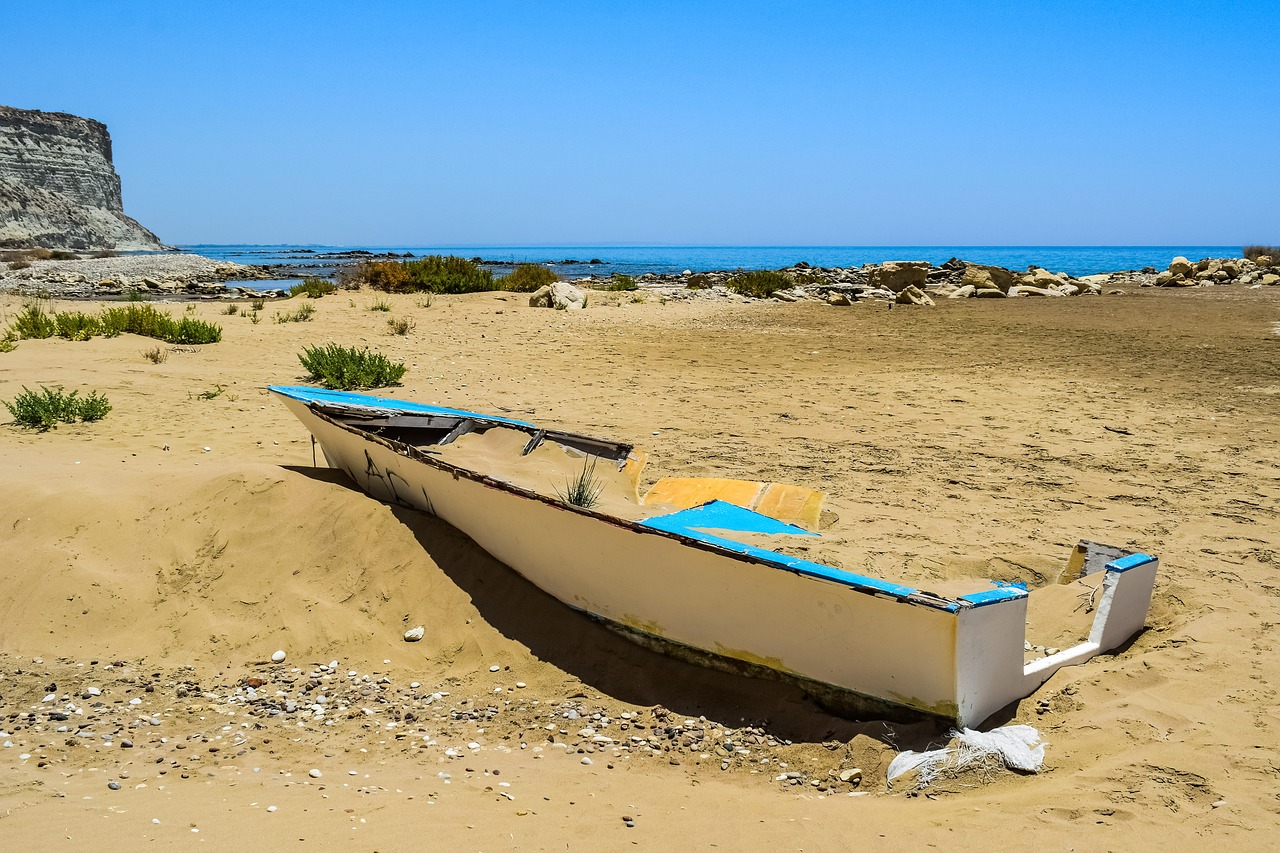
{"type": "Point", "coordinates": [256, 318]}
{"type": "Point", "coordinates": [156, 355]}
{"type": "Point", "coordinates": [313, 287]}
{"type": "Point", "coordinates": [380, 305]}
{"type": "Point", "coordinates": [33, 323]}
{"type": "Point", "coordinates": [232, 310]}
{"type": "Point", "coordinates": [135, 295]}
{"type": "Point", "coordinates": [401, 325]}
{"type": "Point", "coordinates": [303, 314]}
{"type": "Point", "coordinates": [212, 393]}
{"type": "Point", "coordinates": [526, 278]}
{"type": "Point", "coordinates": [44, 409]}
{"type": "Point", "coordinates": [620, 282]}
{"type": "Point", "coordinates": [348, 368]}
{"type": "Point", "coordinates": [76, 325]}
{"type": "Point", "coordinates": [8, 343]}
{"type": "Point", "coordinates": [584, 489]}
{"type": "Point", "coordinates": [759, 284]}
{"type": "Point", "coordinates": [191, 308]}
{"type": "Point", "coordinates": [426, 301]}
{"type": "Point", "coordinates": [258, 304]}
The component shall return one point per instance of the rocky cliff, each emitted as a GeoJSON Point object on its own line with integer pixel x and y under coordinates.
{"type": "Point", "coordinates": [58, 187]}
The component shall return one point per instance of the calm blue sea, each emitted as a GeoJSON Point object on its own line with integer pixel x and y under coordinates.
{"type": "Point", "coordinates": [634, 260]}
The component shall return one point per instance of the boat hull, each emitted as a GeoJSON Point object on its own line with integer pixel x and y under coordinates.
{"type": "Point", "coordinates": [856, 647]}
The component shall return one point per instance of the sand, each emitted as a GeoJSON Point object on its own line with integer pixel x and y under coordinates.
{"type": "Point", "coordinates": [179, 542]}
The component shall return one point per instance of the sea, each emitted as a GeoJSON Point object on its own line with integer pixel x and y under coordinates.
{"type": "Point", "coordinates": [577, 261]}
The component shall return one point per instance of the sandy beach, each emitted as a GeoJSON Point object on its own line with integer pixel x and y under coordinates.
{"type": "Point", "coordinates": [160, 556]}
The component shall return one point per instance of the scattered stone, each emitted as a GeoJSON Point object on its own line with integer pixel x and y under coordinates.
{"type": "Point", "coordinates": [852, 775]}
{"type": "Point", "coordinates": [113, 785]}
{"type": "Point", "coordinates": [314, 773]}
{"type": "Point", "coordinates": [559, 295]}
{"type": "Point", "coordinates": [413, 635]}
{"type": "Point", "coordinates": [278, 656]}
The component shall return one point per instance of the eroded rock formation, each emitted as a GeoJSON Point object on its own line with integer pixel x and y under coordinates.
{"type": "Point", "coordinates": [58, 187]}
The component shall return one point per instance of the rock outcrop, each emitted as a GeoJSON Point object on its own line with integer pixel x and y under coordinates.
{"type": "Point", "coordinates": [58, 187]}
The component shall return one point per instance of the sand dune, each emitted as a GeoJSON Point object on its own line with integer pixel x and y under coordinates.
{"type": "Point", "coordinates": [971, 439]}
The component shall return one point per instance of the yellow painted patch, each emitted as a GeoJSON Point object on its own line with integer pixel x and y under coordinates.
{"type": "Point", "coordinates": [942, 708]}
{"type": "Point", "coordinates": [793, 504]}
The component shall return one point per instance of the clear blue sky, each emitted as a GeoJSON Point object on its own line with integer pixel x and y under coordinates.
{"type": "Point", "coordinates": [737, 123]}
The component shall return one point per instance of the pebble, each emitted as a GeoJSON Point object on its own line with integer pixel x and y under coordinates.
{"type": "Point", "coordinates": [852, 775]}
{"type": "Point", "coordinates": [413, 635]}
{"type": "Point", "coordinates": [494, 668]}
{"type": "Point", "coordinates": [126, 744]}
{"type": "Point", "coordinates": [586, 760]}
{"type": "Point", "coordinates": [113, 785]}
{"type": "Point", "coordinates": [314, 773]}
{"type": "Point", "coordinates": [278, 657]}
{"type": "Point", "coordinates": [271, 808]}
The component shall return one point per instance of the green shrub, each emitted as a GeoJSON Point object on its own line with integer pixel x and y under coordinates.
{"type": "Point", "coordinates": [8, 343]}
{"type": "Point", "coordinates": [434, 274]}
{"type": "Point", "coordinates": [147, 321]}
{"type": "Point", "coordinates": [133, 294]}
{"type": "Point", "coordinates": [347, 368]}
{"type": "Point", "coordinates": [314, 287]}
{"type": "Point", "coordinates": [380, 305]}
{"type": "Point", "coordinates": [620, 282]}
{"type": "Point", "coordinates": [584, 489]}
{"type": "Point", "coordinates": [304, 313]}
{"type": "Point", "coordinates": [156, 355]}
{"type": "Point", "coordinates": [76, 325]}
{"type": "Point", "coordinates": [401, 325]}
{"type": "Point", "coordinates": [759, 283]}
{"type": "Point", "coordinates": [257, 304]}
{"type": "Point", "coordinates": [45, 409]}
{"type": "Point", "coordinates": [33, 323]}
{"type": "Point", "coordinates": [526, 278]}
{"type": "Point", "coordinates": [189, 330]}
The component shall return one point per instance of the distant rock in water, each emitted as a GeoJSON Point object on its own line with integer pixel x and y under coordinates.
{"type": "Point", "coordinates": [58, 187]}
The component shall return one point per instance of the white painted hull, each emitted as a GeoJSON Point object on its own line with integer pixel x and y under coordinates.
{"type": "Point", "coordinates": [949, 659]}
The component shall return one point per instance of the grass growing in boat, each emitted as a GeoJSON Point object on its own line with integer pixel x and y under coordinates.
{"type": "Point", "coordinates": [44, 409]}
{"type": "Point", "coordinates": [584, 489]}
{"type": "Point", "coordinates": [348, 368]}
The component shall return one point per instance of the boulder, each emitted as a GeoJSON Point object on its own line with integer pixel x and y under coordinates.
{"type": "Point", "coordinates": [981, 277]}
{"type": "Point", "coordinates": [1028, 290]}
{"type": "Point", "coordinates": [1180, 266]}
{"type": "Point", "coordinates": [1270, 279]}
{"type": "Point", "coordinates": [837, 298]}
{"type": "Point", "coordinates": [988, 292]}
{"type": "Point", "coordinates": [896, 276]}
{"type": "Point", "coordinates": [962, 292]}
{"type": "Point", "coordinates": [912, 295]}
{"type": "Point", "coordinates": [558, 295]}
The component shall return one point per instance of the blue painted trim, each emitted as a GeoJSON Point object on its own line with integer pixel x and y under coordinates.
{"type": "Point", "coordinates": [722, 515]}
{"type": "Point", "coordinates": [348, 398]}
{"type": "Point", "coordinates": [1132, 561]}
{"type": "Point", "coordinates": [782, 561]}
{"type": "Point", "coordinates": [994, 596]}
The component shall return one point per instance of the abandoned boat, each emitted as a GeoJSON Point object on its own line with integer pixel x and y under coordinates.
{"type": "Point", "coordinates": [680, 569]}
